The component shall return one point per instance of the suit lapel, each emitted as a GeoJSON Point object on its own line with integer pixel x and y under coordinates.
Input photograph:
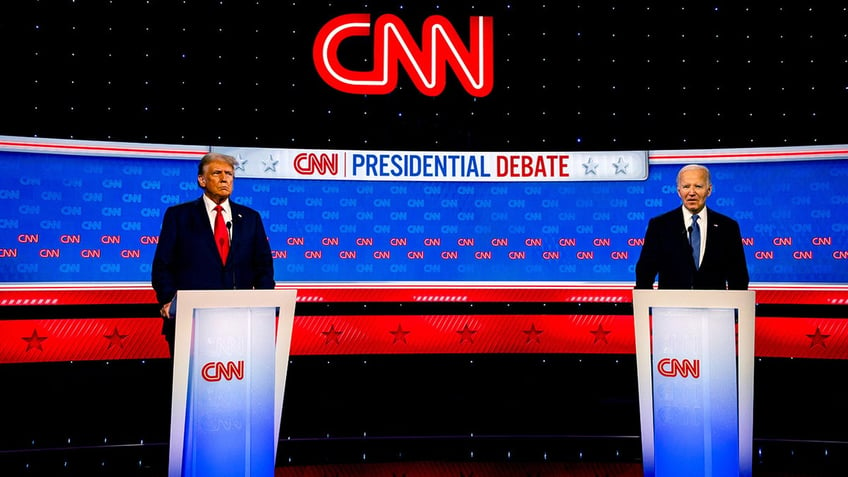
{"type": "Point", "coordinates": [680, 228]}
{"type": "Point", "coordinates": [713, 233]}
{"type": "Point", "coordinates": [683, 227]}
{"type": "Point", "coordinates": [238, 233]}
{"type": "Point", "coordinates": [205, 234]}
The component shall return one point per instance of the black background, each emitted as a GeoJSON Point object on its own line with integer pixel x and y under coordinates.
{"type": "Point", "coordinates": [569, 76]}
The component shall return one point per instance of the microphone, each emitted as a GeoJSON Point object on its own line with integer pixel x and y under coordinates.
{"type": "Point", "coordinates": [230, 235]}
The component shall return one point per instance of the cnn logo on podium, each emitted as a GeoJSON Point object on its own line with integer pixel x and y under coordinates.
{"type": "Point", "coordinates": [673, 367]}
{"type": "Point", "coordinates": [216, 370]}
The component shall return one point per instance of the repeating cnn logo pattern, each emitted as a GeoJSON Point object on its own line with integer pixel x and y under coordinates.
{"type": "Point", "coordinates": [216, 370]}
{"type": "Point", "coordinates": [673, 367]}
{"type": "Point", "coordinates": [103, 227]}
{"type": "Point", "coordinates": [393, 45]}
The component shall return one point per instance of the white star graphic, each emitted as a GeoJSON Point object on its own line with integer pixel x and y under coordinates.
{"type": "Point", "coordinates": [621, 166]}
{"type": "Point", "coordinates": [591, 167]}
{"type": "Point", "coordinates": [270, 165]}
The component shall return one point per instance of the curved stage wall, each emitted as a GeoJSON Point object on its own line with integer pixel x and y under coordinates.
{"type": "Point", "coordinates": [82, 220]}
{"type": "Point", "coordinates": [89, 213]}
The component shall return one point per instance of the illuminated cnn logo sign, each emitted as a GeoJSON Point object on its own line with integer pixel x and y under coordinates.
{"type": "Point", "coordinates": [672, 367]}
{"type": "Point", "coordinates": [394, 45]}
{"type": "Point", "coordinates": [216, 370]}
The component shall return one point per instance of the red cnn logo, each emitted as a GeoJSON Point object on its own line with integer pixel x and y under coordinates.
{"type": "Point", "coordinates": [311, 163]}
{"type": "Point", "coordinates": [671, 367]}
{"type": "Point", "coordinates": [216, 370]}
{"type": "Point", "coordinates": [393, 44]}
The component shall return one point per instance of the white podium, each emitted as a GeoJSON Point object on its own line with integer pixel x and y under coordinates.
{"type": "Point", "coordinates": [231, 354]}
{"type": "Point", "coordinates": [695, 367]}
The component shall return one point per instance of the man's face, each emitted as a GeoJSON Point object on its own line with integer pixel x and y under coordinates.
{"type": "Point", "coordinates": [694, 190]}
{"type": "Point", "coordinates": [217, 180]}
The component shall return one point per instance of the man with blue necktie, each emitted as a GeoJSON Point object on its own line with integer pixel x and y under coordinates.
{"type": "Point", "coordinates": [692, 247]}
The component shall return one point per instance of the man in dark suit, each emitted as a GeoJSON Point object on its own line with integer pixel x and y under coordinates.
{"type": "Point", "coordinates": [187, 256]}
{"type": "Point", "coordinates": [693, 253]}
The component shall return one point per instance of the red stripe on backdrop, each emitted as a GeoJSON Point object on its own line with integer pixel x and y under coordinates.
{"type": "Point", "coordinates": [58, 295]}
{"type": "Point", "coordinates": [31, 341]}
{"type": "Point", "coordinates": [414, 334]}
{"type": "Point", "coordinates": [460, 294]}
{"type": "Point", "coordinates": [455, 293]}
{"type": "Point", "coordinates": [738, 156]}
{"type": "Point", "coordinates": [68, 146]}
{"type": "Point", "coordinates": [12, 296]}
{"type": "Point", "coordinates": [817, 338]}
{"type": "Point", "coordinates": [34, 340]}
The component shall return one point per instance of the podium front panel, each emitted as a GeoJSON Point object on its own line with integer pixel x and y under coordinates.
{"type": "Point", "coordinates": [230, 402]}
{"type": "Point", "coordinates": [230, 362]}
{"type": "Point", "coordinates": [695, 367]}
{"type": "Point", "coordinates": [695, 391]}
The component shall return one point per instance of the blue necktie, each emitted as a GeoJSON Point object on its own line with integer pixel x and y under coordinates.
{"type": "Point", "coordinates": [695, 241]}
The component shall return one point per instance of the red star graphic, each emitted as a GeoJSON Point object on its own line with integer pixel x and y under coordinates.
{"type": "Point", "coordinates": [34, 341]}
{"type": "Point", "coordinates": [466, 334]}
{"type": "Point", "coordinates": [399, 334]}
{"type": "Point", "coordinates": [115, 338]}
{"type": "Point", "coordinates": [818, 338]}
{"type": "Point", "coordinates": [331, 335]}
{"type": "Point", "coordinates": [600, 334]}
{"type": "Point", "coordinates": [533, 334]}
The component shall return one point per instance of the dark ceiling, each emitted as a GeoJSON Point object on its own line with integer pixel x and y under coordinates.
{"type": "Point", "coordinates": [568, 75]}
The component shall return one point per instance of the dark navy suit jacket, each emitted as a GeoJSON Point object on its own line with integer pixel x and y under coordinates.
{"type": "Point", "coordinates": [667, 256]}
{"type": "Point", "coordinates": [186, 257]}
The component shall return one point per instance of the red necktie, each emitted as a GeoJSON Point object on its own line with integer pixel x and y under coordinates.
{"type": "Point", "coordinates": [222, 235]}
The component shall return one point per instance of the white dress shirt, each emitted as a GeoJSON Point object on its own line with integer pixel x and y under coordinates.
{"type": "Point", "coordinates": [225, 211]}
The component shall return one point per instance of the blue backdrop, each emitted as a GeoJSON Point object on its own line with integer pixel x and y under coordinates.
{"type": "Point", "coordinates": [78, 218]}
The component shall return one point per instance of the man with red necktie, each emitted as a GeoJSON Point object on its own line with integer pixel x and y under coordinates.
{"type": "Point", "coordinates": [210, 243]}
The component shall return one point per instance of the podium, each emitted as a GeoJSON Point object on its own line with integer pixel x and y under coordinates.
{"type": "Point", "coordinates": [695, 368]}
{"type": "Point", "coordinates": [231, 354]}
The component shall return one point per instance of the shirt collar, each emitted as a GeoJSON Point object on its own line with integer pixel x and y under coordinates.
{"type": "Point", "coordinates": [687, 216]}
{"type": "Point", "coordinates": [210, 205]}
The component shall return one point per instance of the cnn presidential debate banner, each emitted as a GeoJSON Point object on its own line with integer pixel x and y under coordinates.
{"type": "Point", "coordinates": [90, 212]}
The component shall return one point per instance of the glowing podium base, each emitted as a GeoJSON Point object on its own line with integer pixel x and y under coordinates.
{"type": "Point", "coordinates": [231, 354]}
{"type": "Point", "coordinates": [695, 366]}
